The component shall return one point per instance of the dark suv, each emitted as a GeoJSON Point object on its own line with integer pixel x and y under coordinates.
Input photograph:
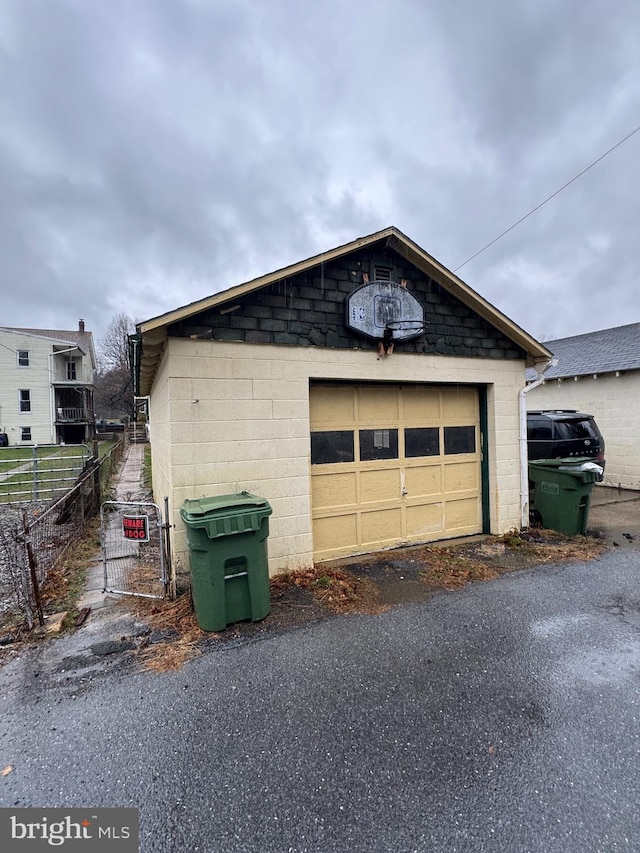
{"type": "Point", "coordinates": [560, 433]}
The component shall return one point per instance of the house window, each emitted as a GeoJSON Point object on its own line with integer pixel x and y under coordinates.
{"type": "Point", "coordinates": [24, 400]}
{"type": "Point", "coordinates": [25, 433]}
{"type": "Point", "coordinates": [23, 358]}
{"type": "Point", "coordinates": [71, 370]}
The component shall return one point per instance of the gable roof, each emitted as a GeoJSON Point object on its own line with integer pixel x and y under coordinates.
{"type": "Point", "coordinates": [153, 332]}
{"type": "Point", "coordinates": [83, 340]}
{"type": "Point", "coordinates": [605, 351]}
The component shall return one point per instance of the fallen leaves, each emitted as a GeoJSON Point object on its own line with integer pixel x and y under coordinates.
{"type": "Point", "coordinates": [178, 618]}
{"type": "Point", "coordinates": [337, 590]}
{"type": "Point", "coordinates": [446, 568]}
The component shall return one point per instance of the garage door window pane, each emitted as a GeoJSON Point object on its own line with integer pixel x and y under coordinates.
{"type": "Point", "coordinates": [459, 440]}
{"type": "Point", "coordinates": [329, 447]}
{"type": "Point", "coordinates": [424, 441]}
{"type": "Point", "coordinates": [378, 444]}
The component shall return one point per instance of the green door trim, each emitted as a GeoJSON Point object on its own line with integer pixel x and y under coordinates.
{"type": "Point", "coordinates": [484, 458]}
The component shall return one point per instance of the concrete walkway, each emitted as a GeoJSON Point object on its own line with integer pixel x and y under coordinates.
{"type": "Point", "coordinates": [129, 488]}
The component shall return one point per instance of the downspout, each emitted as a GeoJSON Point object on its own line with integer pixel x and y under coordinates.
{"type": "Point", "coordinates": [524, 455]}
{"type": "Point", "coordinates": [135, 351]}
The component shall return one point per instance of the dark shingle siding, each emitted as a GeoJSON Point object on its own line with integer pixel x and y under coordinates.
{"type": "Point", "coordinates": [309, 310]}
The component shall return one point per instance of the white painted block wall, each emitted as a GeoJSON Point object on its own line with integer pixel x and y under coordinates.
{"type": "Point", "coordinates": [614, 401]}
{"type": "Point", "coordinates": [227, 417]}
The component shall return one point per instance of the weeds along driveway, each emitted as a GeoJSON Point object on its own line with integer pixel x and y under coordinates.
{"type": "Point", "coordinates": [164, 635]}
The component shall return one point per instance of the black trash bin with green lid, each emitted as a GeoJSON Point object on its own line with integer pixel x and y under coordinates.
{"type": "Point", "coordinates": [562, 492]}
{"type": "Point", "coordinates": [227, 538]}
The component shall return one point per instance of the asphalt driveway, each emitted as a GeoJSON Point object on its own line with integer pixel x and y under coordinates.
{"type": "Point", "coordinates": [504, 717]}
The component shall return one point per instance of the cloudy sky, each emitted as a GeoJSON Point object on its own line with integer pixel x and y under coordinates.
{"type": "Point", "coordinates": [153, 152]}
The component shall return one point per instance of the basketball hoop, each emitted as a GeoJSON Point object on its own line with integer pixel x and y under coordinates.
{"type": "Point", "coordinates": [409, 327]}
{"type": "Point", "coordinates": [404, 329]}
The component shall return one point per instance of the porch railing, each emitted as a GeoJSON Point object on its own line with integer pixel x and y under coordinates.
{"type": "Point", "coordinates": [71, 415]}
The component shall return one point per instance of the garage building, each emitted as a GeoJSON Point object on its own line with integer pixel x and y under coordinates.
{"type": "Point", "coordinates": [368, 393]}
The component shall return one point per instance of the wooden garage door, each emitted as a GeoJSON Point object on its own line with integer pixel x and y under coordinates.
{"type": "Point", "coordinates": [393, 464]}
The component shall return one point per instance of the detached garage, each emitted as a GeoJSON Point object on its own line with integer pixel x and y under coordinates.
{"type": "Point", "coordinates": [368, 393]}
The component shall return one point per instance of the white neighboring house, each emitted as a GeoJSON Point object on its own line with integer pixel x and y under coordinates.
{"type": "Point", "coordinates": [599, 373]}
{"type": "Point", "coordinates": [47, 379]}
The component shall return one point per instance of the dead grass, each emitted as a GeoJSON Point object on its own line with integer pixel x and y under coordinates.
{"type": "Point", "coordinates": [453, 568]}
{"type": "Point", "coordinates": [337, 590]}
{"type": "Point", "coordinates": [144, 577]}
{"type": "Point", "coordinates": [65, 583]}
{"type": "Point", "coordinates": [176, 618]}
{"type": "Point", "coordinates": [450, 570]}
{"type": "Point", "coordinates": [546, 546]}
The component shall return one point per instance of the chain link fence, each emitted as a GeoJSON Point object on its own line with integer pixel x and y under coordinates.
{"type": "Point", "coordinates": [35, 537]}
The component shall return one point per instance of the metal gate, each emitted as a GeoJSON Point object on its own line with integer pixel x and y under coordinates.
{"type": "Point", "coordinates": [133, 549]}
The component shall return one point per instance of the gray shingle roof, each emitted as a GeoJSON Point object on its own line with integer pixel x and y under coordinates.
{"type": "Point", "coordinates": [595, 352]}
{"type": "Point", "coordinates": [82, 339]}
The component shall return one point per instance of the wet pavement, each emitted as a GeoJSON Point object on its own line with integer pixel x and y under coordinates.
{"type": "Point", "coordinates": [503, 717]}
{"type": "Point", "coordinates": [111, 635]}
{"type": "Point", "coordinates": [615, 515]}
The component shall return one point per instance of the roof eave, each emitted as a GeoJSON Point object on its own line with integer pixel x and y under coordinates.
{"type": "Point", "coordinates": [460, 290]}
{"type": "Point", "coordinates": [153, 332]}
{"type": "Point", "coordinates": [263, 281]}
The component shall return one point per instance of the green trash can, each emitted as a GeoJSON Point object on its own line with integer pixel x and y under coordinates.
{"type": "Point", "coordinates": [227, 538]}
{"type": "Point", "coordinates": [562, 492]}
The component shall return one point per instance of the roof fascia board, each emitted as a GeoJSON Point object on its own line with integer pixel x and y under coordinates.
{"type": "Point", "coordinates": [263, 281]}
{"type": "Point", "coordinates": [611, 371]}
{"type": "Point", "coordinates": [397, 241]}
{"type": "Point", "coordinates": [456, 287]}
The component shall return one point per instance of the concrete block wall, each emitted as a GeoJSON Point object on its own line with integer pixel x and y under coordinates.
{"type": "Point", "coordinates": [160, 434]}
{"type": "Point", "coordinates": [233, 417]}
{"type": "Point", "coordinates": [614, 401]}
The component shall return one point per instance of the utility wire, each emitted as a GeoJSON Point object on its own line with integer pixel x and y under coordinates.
{"type": "Point", "coordinates": [553, 195]}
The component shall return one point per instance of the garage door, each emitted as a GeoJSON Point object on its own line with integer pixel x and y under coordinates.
{"type": "Point", "coordinates": [393, 464]}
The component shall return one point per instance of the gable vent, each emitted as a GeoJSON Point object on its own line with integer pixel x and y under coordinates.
{"type": "Point", "coordinates": [382, 273]}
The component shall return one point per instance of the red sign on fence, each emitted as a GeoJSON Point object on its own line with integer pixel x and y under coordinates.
{"type": "Point", "coordinates": [136, 527]}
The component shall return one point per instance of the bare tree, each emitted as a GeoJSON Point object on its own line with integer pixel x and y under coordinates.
{"type": "Point", "coordinates": [114, 386]}
{"type": "Point", "coordinates": [113, 348]}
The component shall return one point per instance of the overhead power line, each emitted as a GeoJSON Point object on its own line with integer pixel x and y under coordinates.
{"type": "Point", "coordinates": [553, 195]}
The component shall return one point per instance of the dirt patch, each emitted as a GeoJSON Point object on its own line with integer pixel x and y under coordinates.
{"type": "Point", "coordinates": [174, 633]}
{"type": "Point", "coordinates": [478, 559]}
